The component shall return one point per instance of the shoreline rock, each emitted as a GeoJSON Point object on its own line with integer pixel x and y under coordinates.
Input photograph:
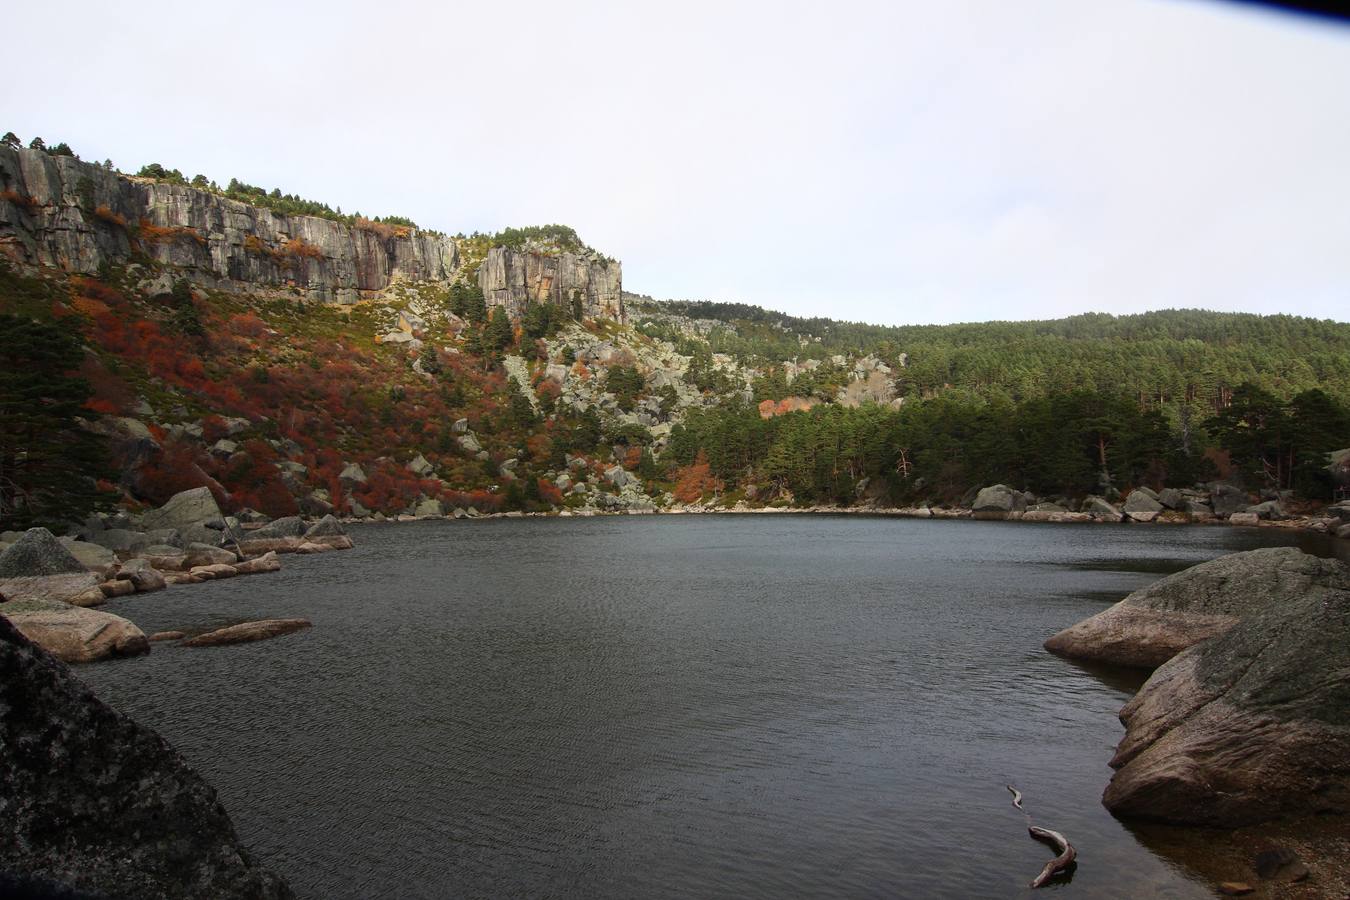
{"type": "Point", "coordinates": [1155, 623]}
{"type": "Point", "coordinates": [1250, 726]}
{"type": "Point", "coordinates": [74, 634]}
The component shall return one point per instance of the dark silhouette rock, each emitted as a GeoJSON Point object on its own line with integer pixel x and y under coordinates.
{"type": "Point", "coordinates": [97, 804]}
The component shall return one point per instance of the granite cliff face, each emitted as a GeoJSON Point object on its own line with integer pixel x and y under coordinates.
{"type": "Point", "coordinates": [514, 278]}
{"type": "Point", "coordinates": [59, 212]}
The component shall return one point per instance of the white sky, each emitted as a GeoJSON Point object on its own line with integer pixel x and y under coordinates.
{"type": "Point", "coordinates": [889, 162]}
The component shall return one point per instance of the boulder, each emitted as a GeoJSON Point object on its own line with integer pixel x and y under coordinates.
{"type": "Point", "coordinates": [329, 531]}
{"type": "Point", "coordinates": [1244, 518]}
{"type": "Point", "coordinates": [38, 552]}
{"type": "Point", "coordinates": [185, 508]}
{"type": "Point", "coordinates": [621, 477]}
{"type": "Point", "coordinates": [203, 555]}
{"type": "Point", "coordinates": [142, 576]}
{"type": "Point", "coordinates": [285, 527]}
{"type": "Point", "coordinates": [202, 534]}
{"type": "Point", "coordinates": [352, 474]}
{"type": "Point", "coordinates": [96, 805]}
{"type": "Point", "coordinates": [1099, 509]}
{"type": "Point", "coordinates": [1226, 499]}
{"type": "Point", "coordinates": [165, 558]}
{"type": "Point", "coordinates": [39, 567]}
{"type": "Point", "coordinates": [1157, 622]}
{"type": "Point", "coordinates": [1271, 510]}
{"type": "Point", "coordinates": [116, 588]}
{"type": "Point", "coordinates": [420, 467]}
{"type": "Point", "coordinates": [268, 562]}
{"type": "Point", "coordinates": [1172, 499]}
{"type": "Point", "coordinates": [247, 631]}
{"type": "Point", "coordinates": [213, 571]}
{"type": "Point", "coordinates": [999, 498]}
{"type": "Point", "coordinates": [1343, 532]}
{"type": "Point", "coordinates": [469, 443]}
{"type": "Point", "coordinates": [92, 556]}
{"type": "Point", "coordinates": [1250, 726]}
{"type": "Point", "coordinates": [426, 508]}
{"type": "Point", "coordinates": [167, 636]}
{"type": "Point", "coordinates": [256, 546]}
{"type": "Point", "coordinates": [1140, 506]}
{"type": "Point", "coordinates": [72, 633]}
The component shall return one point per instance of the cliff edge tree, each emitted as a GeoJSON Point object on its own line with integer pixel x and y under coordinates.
{"type": "Point", "coordinates": [48, 462]}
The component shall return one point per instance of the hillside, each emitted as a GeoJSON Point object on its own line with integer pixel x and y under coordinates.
{"type": "Point", "coordinates": [295, 359]}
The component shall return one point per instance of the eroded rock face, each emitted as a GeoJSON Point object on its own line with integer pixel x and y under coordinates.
{"type": "Point", "coordinates": [515, 278]}
{"type": "Point", "coordinates": [1249, 726]}
{"type": "Point", "coordinates": [73, 634]}
{"type": "Point", "coordinates": [92, 801]}
{"type": "Point", "coordinates": [1155, 623]}
{"type": "Point", "coordinates": [210, 239]}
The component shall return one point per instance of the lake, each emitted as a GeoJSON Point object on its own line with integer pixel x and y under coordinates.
{"type": "Point", "coordinates": [668, 706]}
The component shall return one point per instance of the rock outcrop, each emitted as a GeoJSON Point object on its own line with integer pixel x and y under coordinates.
{"type": "Point", "coordinates": [1249, 726]}
{"type": "Point", "coordinates": [584, 282]}
{"type": "Point", "coordinates": [1157, 622]}
{"type": "Point", "coordinates": [75, 215]}
{"type": "Point", "coordinates": [92, 802]}
{"type": "Point", "coordinates": [39, 567]}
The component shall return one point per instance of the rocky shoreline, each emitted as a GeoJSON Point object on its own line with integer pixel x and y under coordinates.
{"type": "Point", "coordinates": [49, 586]}
{"type": "Point", "coordinates": [1245, 719]}
{"type": "Point", "coordinates": [1334, 520]}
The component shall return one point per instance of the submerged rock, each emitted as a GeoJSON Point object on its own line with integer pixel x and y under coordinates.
{"type": "Point", "coordinates": [93, 802]}
{"type": "Point", "coordinates": [248, 631]}
{"type": "Point", "coordinates": [1157, 622]}
{"type": "Point", "coordinates": [1250, 726]}
{"type": "Point", "coordinates": [74, 634]}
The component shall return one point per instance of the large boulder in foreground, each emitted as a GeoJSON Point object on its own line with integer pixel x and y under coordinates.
{"type": "Point", "coordinates": [39, 567]}
{"type": "Point", "coordinates": [93, 802]}
{"type": "Point", "coordinates": [73, 634]}
{"type": "Point", "coordinates": [191, 507]}
{"type": "Point", "coordinates": [1157, 622]}
{"type": "Point", "coordinates": [1250, 726]}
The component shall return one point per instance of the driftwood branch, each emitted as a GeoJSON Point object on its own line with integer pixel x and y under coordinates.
{"type": "Point", "coordinates": [1066, 854]}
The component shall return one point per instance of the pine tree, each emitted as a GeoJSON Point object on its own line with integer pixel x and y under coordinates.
{"type": "Point", "coordinates": [48, 462]}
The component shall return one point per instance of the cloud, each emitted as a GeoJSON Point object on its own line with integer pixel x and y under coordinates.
{"type": "Point", "coordinates": [881, 161]}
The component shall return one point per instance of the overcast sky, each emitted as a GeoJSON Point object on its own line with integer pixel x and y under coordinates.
{"type": "Point", "coordinates": [890, 162]}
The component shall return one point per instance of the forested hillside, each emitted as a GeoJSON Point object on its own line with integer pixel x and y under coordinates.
{"type": "Point", "coordinates": [197, 359]}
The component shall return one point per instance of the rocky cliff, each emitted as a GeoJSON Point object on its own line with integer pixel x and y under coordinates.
{"type": "Point", "coordinates": [59, 212]}
{"type": "Point", "coordinates": [514, 278]}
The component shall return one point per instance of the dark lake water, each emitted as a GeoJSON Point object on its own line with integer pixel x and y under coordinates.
{"type": "Point", "coordinates": [713, 706]}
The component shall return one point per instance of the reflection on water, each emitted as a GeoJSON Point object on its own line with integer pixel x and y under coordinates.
{"type": "Point", "coordinates": [721, 706]}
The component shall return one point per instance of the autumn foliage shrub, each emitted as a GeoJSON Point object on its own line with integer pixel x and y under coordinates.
{"type": "Point", "coordinates": [104, 214]}
{"type": "Point", "coordinates": [30, 204]}
{"type": "Point", "coordinates": [694, 481]}
{"type": "Point", "coordinates": [148, 232]}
